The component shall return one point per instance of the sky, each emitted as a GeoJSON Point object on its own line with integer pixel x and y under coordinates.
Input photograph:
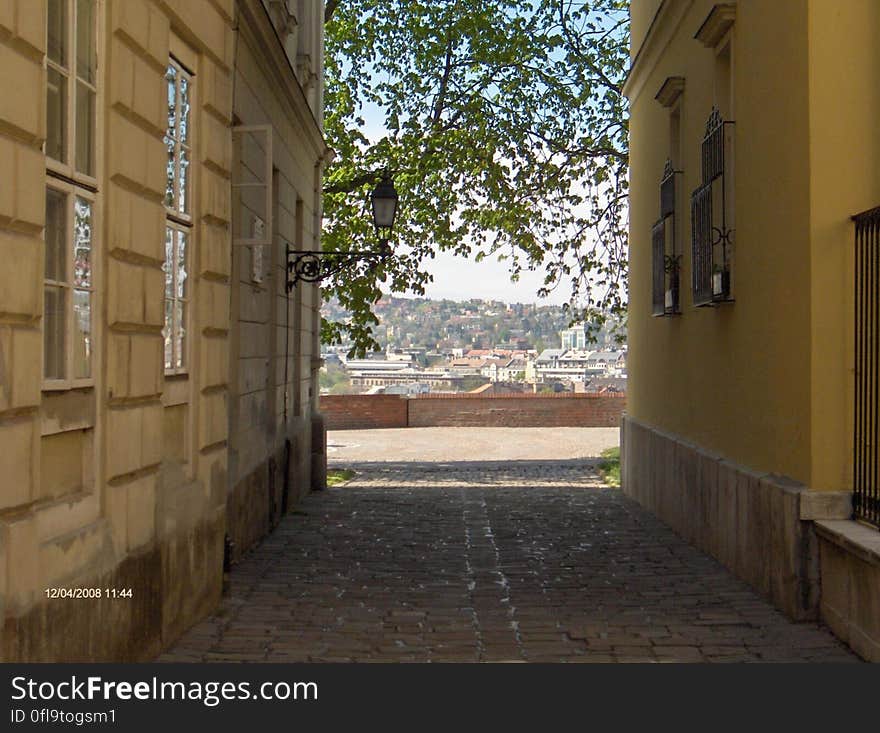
{"type": "Point", "coordinates": [457, 278]}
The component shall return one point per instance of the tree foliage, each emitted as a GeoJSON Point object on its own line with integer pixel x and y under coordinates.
{"type": "Point", "coordinates": [505, 129]}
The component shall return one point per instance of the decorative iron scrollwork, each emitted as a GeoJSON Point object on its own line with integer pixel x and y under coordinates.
{"type": "Point", "coordinates": [313, 267]}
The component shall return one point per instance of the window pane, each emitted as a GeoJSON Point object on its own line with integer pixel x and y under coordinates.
{"type": "Point", "coordinates": [82, 334]}
{"type": "Point", "coordinates": [168, 265]}
{"type": "Point", "coordinates": [169, 173]}
{"type": "Point", "coordinates": [56, 38]}
{"type": "Point", "coordinates": [82, 242]}
{"type": "Point", "coordinates": [53, 333]}
{"type": "Point", "coordinates": [85, 129]}
{"type": "Point", "coordinates": [180, 334]}
{"type": "Point", "coordinates": [85, 40]}
{"type": "Point", "coordinates": [56, 114]}
{"type": "Point", "coordinates": [171, 90]}
{"type": "Point", "coordinates": [181, 264]}
{"type": "Point", "coordinates": [56, 234]}
{"type": "Point", "coordinates": [183, 181]}
{"type": "Point", "coordinates": [183, 132]}
{"type": "Point", "coordinates": [168, 332]}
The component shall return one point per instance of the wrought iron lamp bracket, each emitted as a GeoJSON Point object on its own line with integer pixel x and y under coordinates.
{"type": "Point", "coordinates": [312, 266]}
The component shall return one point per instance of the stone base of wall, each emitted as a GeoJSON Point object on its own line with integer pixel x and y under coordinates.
{"type": "Point", "coordinates": [753, 523]}
{"type": "Point", "coordinates": [253, 506]}
{"type": "Point", "coordinates": [257, 502]}
{"type": "Point", "coordinates": [319, 452]}
{"type": "Point", "coordinates": [850, 569]}
{"type": "Point", "coordinates": [174, 584]}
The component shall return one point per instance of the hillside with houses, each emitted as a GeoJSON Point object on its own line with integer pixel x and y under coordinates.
{"type": "Point", "coordinates": [476, 346]}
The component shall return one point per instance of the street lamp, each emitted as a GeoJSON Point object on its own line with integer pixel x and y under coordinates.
{"type": "Point", "coordinates": [313, 266]}
{"type": "Point", "coordinates": [384, 201]}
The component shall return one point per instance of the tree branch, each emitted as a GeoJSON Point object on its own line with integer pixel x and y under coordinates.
{"type": "Point", "coordinates": [329, 9]}
{"type": "Point", "coordinates": [352, 184]}
{"type": "Point", "coordinates": [584, 58]}
{"type": "Point", "coordinates": [444, 82]}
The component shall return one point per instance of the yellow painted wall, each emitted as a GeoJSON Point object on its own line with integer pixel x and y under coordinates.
{"type": "Point", "coordinates": [734, 379]}
{"type": "Point", "coordinates": [844, 154]}
{"type": "Point", "coordinates": [640, 16]}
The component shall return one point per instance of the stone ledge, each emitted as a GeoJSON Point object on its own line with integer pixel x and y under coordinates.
{"type": "Point", "coordinates": [826, 505]}
{"type": "Point", "coordinates": [853, 537]}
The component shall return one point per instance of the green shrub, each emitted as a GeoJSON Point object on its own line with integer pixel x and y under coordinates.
{"type": "Point", "coordinates": [609, 468]}
{"type": "Point", "coordinates": [337, 476]}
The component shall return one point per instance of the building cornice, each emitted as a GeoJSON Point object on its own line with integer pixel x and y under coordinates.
{"type": "Point", "coordinates": [255, 27]}
{"type": "Point", "coordinates": [716, 25]}
{"type": "Point", "coordinates": [666, 21]}
{"type": "Point", "coordinates": [670, 91]}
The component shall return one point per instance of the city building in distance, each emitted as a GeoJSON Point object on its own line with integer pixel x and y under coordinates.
{"type": "Point", "coordinates": [449, 346]}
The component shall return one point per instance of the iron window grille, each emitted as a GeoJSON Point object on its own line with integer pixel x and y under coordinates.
{"type": "Point", "coordinates": [666, 260]}
{"type": "Point", "coordinates": [866, 413]}
{"type": "Point", "coordinates": [712, 216]}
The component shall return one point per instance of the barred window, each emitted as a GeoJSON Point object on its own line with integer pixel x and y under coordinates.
{"type": "Point", "coordinates": [666, 260]}
{"type": "Point", "coordinates": [712, 216]}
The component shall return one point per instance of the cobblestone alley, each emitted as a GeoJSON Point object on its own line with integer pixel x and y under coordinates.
{"type": "Point", "coordinates": [488, 561]}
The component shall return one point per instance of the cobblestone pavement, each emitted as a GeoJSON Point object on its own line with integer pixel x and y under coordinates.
{"type": "Point", "coordinates": [503, 561]}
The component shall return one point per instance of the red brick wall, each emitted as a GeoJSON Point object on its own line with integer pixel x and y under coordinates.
{"type": "Point", "coordinates": [517, 411]}
{"type": "Point", "coordinates": [347, 412]}
{"type": "Point", "coordinates": [352, 412]}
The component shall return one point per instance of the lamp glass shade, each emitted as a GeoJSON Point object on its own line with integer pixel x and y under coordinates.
{"type": "Point", "coordinates": [384, 200]}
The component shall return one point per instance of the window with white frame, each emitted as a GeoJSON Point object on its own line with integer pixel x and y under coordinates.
{"type": "Point", "coordinates": [178, 196]}
{"type": "Point", "coordinates": [71, 86]}
{"type": "Point", "coordinates": [178, 140]}
{"type": "Point", "coordinates": [68, 279]}
{"type": "Point", "coordinates": [176, 297]}
{"type": "Point", "coordinates": [68, 287]}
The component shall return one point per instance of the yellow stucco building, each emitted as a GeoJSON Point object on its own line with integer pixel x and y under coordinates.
{"type": "Point", "coordinates": [753, 307]}
{"type": "Point", "coordinates": [158, 382]}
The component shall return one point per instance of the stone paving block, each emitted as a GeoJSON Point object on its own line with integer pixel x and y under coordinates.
{"type": "Point", "coordinates": [498, 563]}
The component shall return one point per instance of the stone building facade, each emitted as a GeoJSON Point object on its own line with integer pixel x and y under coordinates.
{"type": "Point", "coordinates": [278, 158]}
{"type": "Point", "coordinates": [157, 383]}
{"type": "Point", "coordinates": [752, 146]}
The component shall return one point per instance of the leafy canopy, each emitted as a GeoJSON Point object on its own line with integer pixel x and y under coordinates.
{"type": "Point", "coordinates": [505, 129]}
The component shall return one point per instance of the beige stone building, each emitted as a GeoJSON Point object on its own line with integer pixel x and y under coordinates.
{"type": "Point", "coordinates": [158, 383]}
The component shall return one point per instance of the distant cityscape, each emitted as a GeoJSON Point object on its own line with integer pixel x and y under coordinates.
{"type": "Point", "coordinates": [479, 346]}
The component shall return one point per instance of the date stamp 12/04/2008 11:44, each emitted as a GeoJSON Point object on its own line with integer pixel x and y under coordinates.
{"type": "Point", "coordinates": [88, 593]}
